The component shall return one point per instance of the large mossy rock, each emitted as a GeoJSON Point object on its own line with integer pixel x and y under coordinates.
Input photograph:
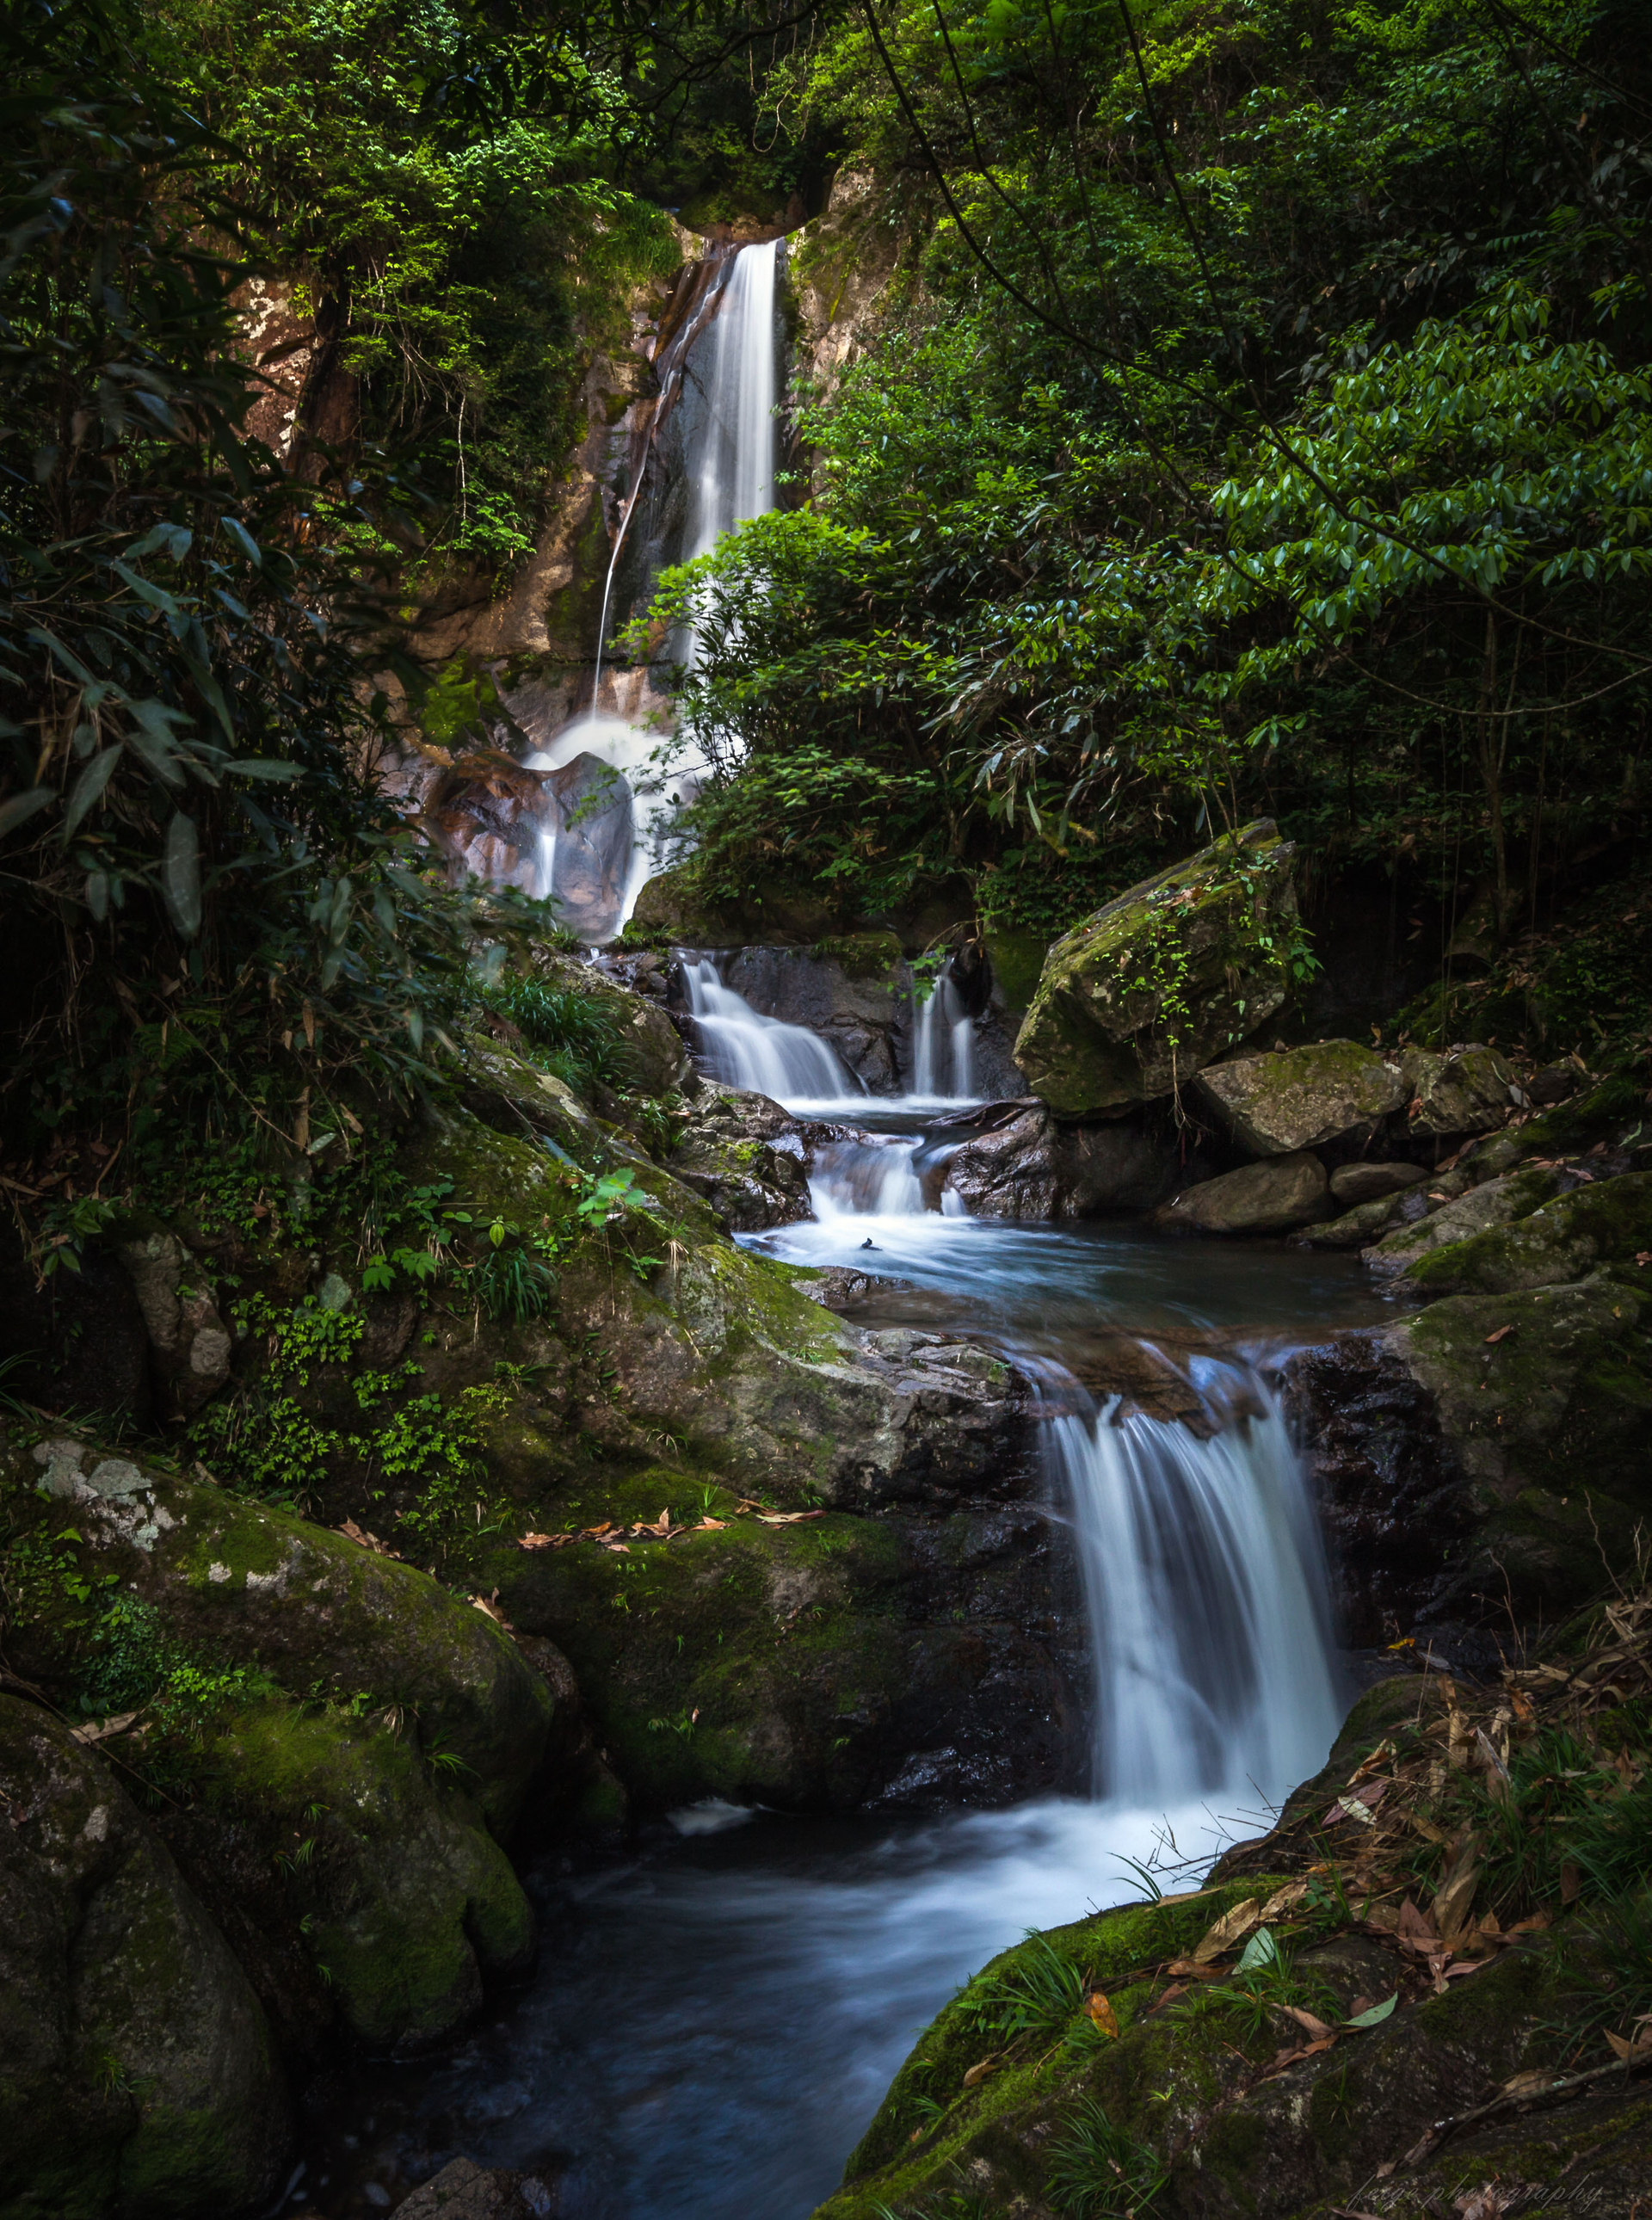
{"type": "Point", "coordinates": [375, 1733]}
{"type": "Point", "coordinates": [1498, 1202]}
{"type": "Point", "coordinates": [1163, 978]}
{"type": "Point", "coordinates": [137, 2074]}
{"type": "Point", "coordinates": [746, 1154]}
{"type": "Point", "coordinates": [1469, 1090]}
{"type": "Point", "coordinates": [1301, 1098]}
{"type": "Point", "coordinates": [1271, 1197]}
{"type": "Point", "coordinates": [1539, 1362]}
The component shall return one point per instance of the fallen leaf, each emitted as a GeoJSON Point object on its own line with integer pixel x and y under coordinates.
{"type": "Point", "coordinates": [1529, 2083]}
{"type": "Point", "coordinates": [1502, 1333]}
{"type": "Point", "coordinates": [101, 1729]}
{"type": "Point", "coordinates": [491, 1604]}
{"type": "Point", "coordinates": [1456, 1889]}
{"type": "Point", "coordinates": [1641, 2048]}
{"type": "Point", "coordinates": [1309, 2022]}
{"type": "Point", "coordinates": [1459, 1967]}
{"type": "Point", "coordinates": [1228, 1932]}
{"type": "Point", "coordinates": [1190, 1970]}
{"type": "Point", "coordinates": [1282, 1899]}
{"type": "Point", "coordinates": [1101, 2013]}
{"type": "Point", "coordinates": [1172, 1995]}
{"type": "Point", "coordinates": [1571, 1882]}
{"type": "Point", "coordinates": [787, 1518]}
{"type": "Point", "coordinates": [718, 1523]}
{"type": "Point", "coordinates": [363, 1539]}
{"type": "Point", "coordinates": [1416, 1930]}
{"type": "Point", "coordinates": [1291, 2057]}
{"type": "Point", "coordinates": [1374, 2015]}
{"type": "Point", "coordinates": [978, 2073]}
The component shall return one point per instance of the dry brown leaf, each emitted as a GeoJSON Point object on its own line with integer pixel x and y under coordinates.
{"type": "Point", "coordinates": [717, 1524]}
{"type": "Point", "coordinates": [1281, 1901]}
{"type": "Point", "coordinates": [1456, 1891]}
{"type": "Point", "coordinates": [101, 1729]}
{"type": "Point", "coordinates": [1101, 2013]}
{"type": "Point", "coordinates": [1416, 1930]}
{"type": "Point", "coordinates": [491, 1604]}
{"type": "Point", "coordinates": [1310, 2024]}
{"type": "Point", "coordinates": [1190, 1970]}
{"type": "Point", "coordinates": [1641, 2047]}
{"type": "Point", "coordinates": [787, 1518]}
{"type": "Point", "coordinates": [1529, 2083]}
{"type": "Point", "coordinates": [1502, 1333]}
{"type": "Point", "coordinates": [979, 2072]}
{"type": "Point", "coordinates": [1172, 1995]}
{"type": "Point", "coordinates": [1228, 1932]}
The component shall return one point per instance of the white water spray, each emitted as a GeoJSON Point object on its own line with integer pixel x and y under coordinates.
{"type": "Point", "coordinates": [943, 1067]}
{"type": "Point", "coordinates": [731, 463]}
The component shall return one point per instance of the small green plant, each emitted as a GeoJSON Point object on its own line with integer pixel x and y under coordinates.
{"type": "Point", "coordinates": [1038, 1995]}
{"type": "Point", "coordinates": [1097, 2171]}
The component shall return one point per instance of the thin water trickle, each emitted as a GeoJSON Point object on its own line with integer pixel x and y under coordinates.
{"type": "Point", "coordinates": [739, 1048]}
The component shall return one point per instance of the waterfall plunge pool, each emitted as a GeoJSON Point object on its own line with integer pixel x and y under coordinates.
{"type": "Point", "coordinates": [714, 2020]}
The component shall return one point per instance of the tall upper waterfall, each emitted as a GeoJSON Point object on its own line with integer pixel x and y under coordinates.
{"type": "Point", "coordinates": [607, 827]}
{"type": "Point", "coordinates": [732, 463]}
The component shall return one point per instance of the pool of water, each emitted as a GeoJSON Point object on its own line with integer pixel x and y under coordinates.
{"type": "Point", "coordinates": [713, 2022]}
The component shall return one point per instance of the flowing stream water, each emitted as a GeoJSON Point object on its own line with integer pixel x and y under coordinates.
{"type": "Point", "coordinates": [715, 2019]}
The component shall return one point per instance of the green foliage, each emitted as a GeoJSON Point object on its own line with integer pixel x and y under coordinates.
{"type": "Point", "coordinates": [575, 1035]}
{"type": "Point", "coordinates": [1319, 486]}
{"type": "Point", "coordinates": [1097, 2171]}
{"type": "Point", "coordinates": [1038, 1995]}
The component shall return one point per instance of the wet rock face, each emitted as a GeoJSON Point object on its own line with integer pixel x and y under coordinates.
{"type": "Point", "coordinates": [1354, 1185]}
{"type": "Point", "coordinates": [1396, 1505]}
{"type": "Point", "coordinates": [136, 2069]}
{"type": "Point", "coordinates": [1301, 1098]}
{"type": "Point", "coordinates": [1019, 1163]}
{"type": "Point", "coordinates": [747, 1157]}
{"type": "Point", "coordinates": [854, 1001]}
{"type": "Point", "coordinates": [1270, 1197]}
{"type": "Point", "coordinates": [464, 2190]}
{"type": "Point", "coordinates": [1159, 981]}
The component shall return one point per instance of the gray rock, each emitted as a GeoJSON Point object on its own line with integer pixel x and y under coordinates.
{"type": "Point", "coordinates": [137, 2074]}
{"type": "Point", "coordinates": [1467, 1090]}
{"type": "Point", "coordinates": [746, 1154]}
{"type": "Point", "coordinates": [1355, 1229]}
{"type": "Point", "coordinates": [464, 2190]}
{"type": "Point", "coordinates": [1352, 1184]}
{"type": "Point", "coordinates": [1029, 1166]}
{"type": "Point", "coordinates": [1497, 1202]}
{"type": "Point", "coordinates": [1301, 1098]}
{"type": "Point", "coordinates": [190, 1344]}
{"type": "Point", "coordinates": [1270, 1197]}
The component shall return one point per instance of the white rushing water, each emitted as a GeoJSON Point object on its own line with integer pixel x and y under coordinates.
{"type": "Point", "coordinates": [741, 1048]}
{"type": "Point", "coordinates": [731, 463]}
{"type": "Point", "coordinates": [791, 1063]}
{"type": "Point", "coordinates": [599, 855]}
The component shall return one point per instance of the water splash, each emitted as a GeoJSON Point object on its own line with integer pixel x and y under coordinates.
{"type": "Point", "coordinates": [943, 1066]}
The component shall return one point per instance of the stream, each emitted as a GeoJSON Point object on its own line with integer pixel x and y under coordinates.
{"type": "Point", "coordinates": [714, 2020]}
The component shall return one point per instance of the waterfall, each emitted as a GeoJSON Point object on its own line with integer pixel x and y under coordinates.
{"type": "Point", "coordinates": [731, 463]}
{"type": "Point", "coordinates": [604, 842]}
{"type": "Point", "coordinates": [943, 1062]}
{"type": "Point", "coordinates": [744, 1049]}
{"type": "Point", "coordinates": [1205, 1585]}
{"type": "Point", "coordinates": [872, 1177]}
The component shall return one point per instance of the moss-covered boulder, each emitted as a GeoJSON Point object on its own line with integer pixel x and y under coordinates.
{"type": "Point", "coordinates": [1270, 1197]}
{"type": "Point", "coordinates": [250, 1584]}
{"type": "Point", "coordinates": [1544, 1397]}
{"type": "Point", "coordinates": [1301, 1098]}
{"type": "Point", "coordinates": [137, 2074]}
{"type": "Point", "coordinates": [745, 1155]}
{"type": "Point", "coordinates": [1563, 1238]}
{"type": "Point", "coordinates": [1499, 1201]}
{"type": "Point", "coordinates": [1163, 978]}
{"type": "Point", "coordinates": [1352, 1185]}
{"type": "Point", "coordinates": [375, 1734]}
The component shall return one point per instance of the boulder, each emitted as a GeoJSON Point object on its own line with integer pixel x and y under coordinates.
{"type": "Point", "coordinates": [1495, 1202]}
{"type": "Point", "coordinates": [1026, 1165]}
{"type": "Point", "coordinates": [1352, 1184]}
{"type": "Point", "coordinates": [464, 2190]}
{"type": "Point", "coordinates": [1565, 1238]}
{"type": "Point", "coordinates": [137, 2074]}
{"type": "Point", "coordinates": [375, 1717]}
{"type": "Point", "coordinates": [746, 1154]}
{"type": "Point", "coordinates": [651, 1053]}
{"type": "Point", "coordinates": [1301, 1098]}
{"type": "Point", "coordinates": [1163, 978]}
{"type": "Point", "coordinates": [1271, 1197]}
{"type": "Point", "coordinates": [1355, 1229]}
{"type": "Point", "coordinates": [1467, 1090]}
{"type": "Point", "coordinates": [851, 991]}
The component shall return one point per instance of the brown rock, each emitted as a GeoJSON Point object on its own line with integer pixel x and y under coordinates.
{"type": "Point", "coordinates": [1352, 1184]}
{"type": "Point", "coordinates": [1270, 1197]}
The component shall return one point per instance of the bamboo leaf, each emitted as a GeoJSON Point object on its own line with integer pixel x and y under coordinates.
{"type": "Point", "coordinates": [89, 787]}
{"type": "Point", "coordinates": [180, 875]}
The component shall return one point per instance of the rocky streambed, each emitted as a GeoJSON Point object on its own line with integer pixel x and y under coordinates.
{"type": "Point", "coordinates": [647, 1692]}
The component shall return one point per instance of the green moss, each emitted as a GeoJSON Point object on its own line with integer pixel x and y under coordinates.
{"type": "Point", "coordinates": [1017, 961]}
{"type": "Point", "coordinates": [1560, 1240]}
